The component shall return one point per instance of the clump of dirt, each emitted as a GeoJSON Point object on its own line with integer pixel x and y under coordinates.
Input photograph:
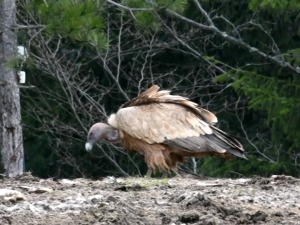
{"type": "Point", "coordinates": [136, 201]}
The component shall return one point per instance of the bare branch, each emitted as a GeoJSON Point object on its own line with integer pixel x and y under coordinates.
{"type": "Point", "coordinates": [236, 41]}
{"type": "Point", "coordinates": [128, 8]}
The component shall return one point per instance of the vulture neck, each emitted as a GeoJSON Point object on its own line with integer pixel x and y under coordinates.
{"type": "Point", "coordinates": [112, 121]}
{"type": "Point", "coordinates": [113, 135]}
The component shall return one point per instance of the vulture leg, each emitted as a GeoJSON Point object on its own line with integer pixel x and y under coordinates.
{"type": "Point", "coordinates": [175, 171]}
{"type": "Point", "coordinates": [169, 173]}
{"type": "Point", "coordinates": [165, 175]}
{"type": "Point", "coordinates": [149, 173]}
{"type": "Point", "coordinates": [155, 160]}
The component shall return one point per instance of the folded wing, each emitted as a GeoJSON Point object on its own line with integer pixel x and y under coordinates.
{"type": "Point", "coordinates": [177, 125]}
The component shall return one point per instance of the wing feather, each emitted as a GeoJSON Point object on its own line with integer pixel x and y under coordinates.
{"type": "Point", "coordinates": [154, 95]}
{"type": "Point", "coordinates": [196, 144]}
{"type": "Point", "coordinates": [157, 124]}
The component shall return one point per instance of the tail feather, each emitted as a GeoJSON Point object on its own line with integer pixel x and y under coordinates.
{"type": "Point", "coordinates": [216, 143]}
{"type": "Point", "coordinates": [230, 144]}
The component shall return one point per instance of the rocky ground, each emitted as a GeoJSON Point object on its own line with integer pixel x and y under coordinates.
{"type": "Point", "coordinates": [30, 200]}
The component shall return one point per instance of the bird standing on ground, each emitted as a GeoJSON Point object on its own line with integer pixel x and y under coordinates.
{"type": "Point", "coordinates": [166, 129]}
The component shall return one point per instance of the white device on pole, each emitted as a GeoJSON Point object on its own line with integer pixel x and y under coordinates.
{"type": "Point", "coordinates": [22, 77]}
{"type": "Point", "coordinates": [22, 51]}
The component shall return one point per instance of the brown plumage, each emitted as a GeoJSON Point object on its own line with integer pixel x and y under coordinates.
{"type": "Point", "coordinates": [165, 128]}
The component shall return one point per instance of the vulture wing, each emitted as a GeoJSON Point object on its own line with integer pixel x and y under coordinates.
{"type": "Point", "coordinates": [158, 117]}
{"type": "Point", "coordinates": [153, 95]}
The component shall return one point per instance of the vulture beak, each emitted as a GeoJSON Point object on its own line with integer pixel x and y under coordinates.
{"type": "Point", "coordinates": [88, 146]}
{"type": "Point", "coordinates": [99, 132]}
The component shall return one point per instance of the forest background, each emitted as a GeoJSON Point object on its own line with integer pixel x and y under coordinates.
{"type": "Point", "coordinates": [239, 59]}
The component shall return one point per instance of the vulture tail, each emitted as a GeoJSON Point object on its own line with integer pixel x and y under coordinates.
{"type": "Point", "coordinates": [230, 144]}
{"type": "Point", "coordinates": [216, 143]}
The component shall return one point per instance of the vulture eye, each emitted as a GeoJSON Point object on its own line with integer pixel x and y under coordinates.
{"type": "Point", "coordinates": [91, 134]}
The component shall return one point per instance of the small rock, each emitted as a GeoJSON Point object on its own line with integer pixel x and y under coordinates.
{"type": "Point", "coordinates": [267, 187]}
{"type": "Point", "coordinates": [207, 220]}
{"type": "Point", "coordinates": [279, 214]}
{"type": "Point", "coordinates": [109, 180]}
{"type": "Point", "coordinates": [111, 199]}
{"type": "Point", "coordinates": [68, 182]}
{"type": "Point", "coordinates": [209, 184]}
{"type": "Point", "coordinates": [166, 220]}
{"type": "Point", "coordinates": [120, 180]}
{"type": "Point", "coordinates": [264, 182]}
{"type": "Point", "coordinates": [160, 202]}
{"type": "Point", "coordinates": [36, 189]}
{"type": "Point", "coordinates": [259, 216]}
{"type": "Point", "coordinates": [197, 199]}
{"type": "Point", "coordinates": [242, 220]}
{"type": "Point", "coordinates": [11, 195]}
{"type": "Point", "coordinates": [96, 198]}
{"type": "Point", "coordinates": [135, 187]}
{"type": "Point", "coordinates": [189, 217]}
{"type": "Point", "coordinates": [179, 199]}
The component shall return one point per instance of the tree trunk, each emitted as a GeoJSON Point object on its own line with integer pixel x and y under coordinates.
{"type": "Point", "coordinates": [11, 140]}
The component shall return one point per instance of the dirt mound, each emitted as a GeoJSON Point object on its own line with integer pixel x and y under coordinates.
{"type": "Point", "coordinates": [30, 200]}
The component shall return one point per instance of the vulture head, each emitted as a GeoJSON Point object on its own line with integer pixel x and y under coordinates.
{"type": "Point", "coordinates": [99, 132]}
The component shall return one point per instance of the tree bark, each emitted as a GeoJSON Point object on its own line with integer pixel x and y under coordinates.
{"type": "Point", "coordinates": [11, 139]}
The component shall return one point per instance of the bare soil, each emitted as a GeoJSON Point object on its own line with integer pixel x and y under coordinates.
{"type": "Point", "coordinates": [188, 200]}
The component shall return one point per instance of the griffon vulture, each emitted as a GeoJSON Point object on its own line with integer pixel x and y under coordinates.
{"type": "Point", "coordinates": [166, 129]}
